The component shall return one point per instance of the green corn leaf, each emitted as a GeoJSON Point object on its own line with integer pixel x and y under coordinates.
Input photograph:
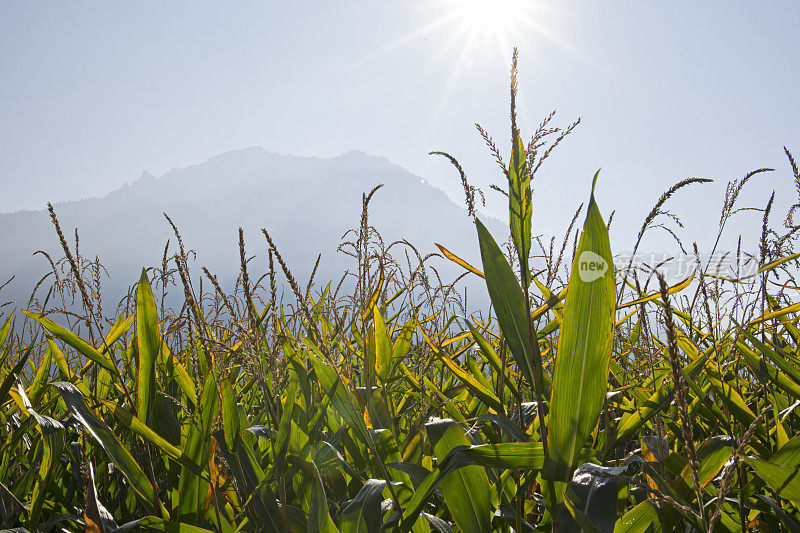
{"type": "Point", "coordinates": [148, 343]}
{"type": "Point", "coordinates": [119, 329]}
{"type": "Point", "coordinates": [171, 366]}
{"type": "Point", "coordinates": [507, 300]}
{"type": "Point", "coordinates": [402, 344]}
{"type": "Point", "coordinates": [95, 519]}
{"type": "Point", "coordinates": [777, 313]}
{"type": "Point", "coordinates": [781, 436]}
{"type": "Point", "coordinates": [230, 413]}
{"type": "Point", "coordinates": [285, 426]}
{"type": "Point", "coordinates": [337, 391]}
{"type": "Point", "coordinates": [103, 383]}
{"type": "Point", "coordinates": [448, 404]}
{"type": "Point", "coordinates": [363, 513]}
{"type": "Point", "coordinates": [783, 479]}
{"type": "Point", "coordinates": [140, 428]}
{"type": "Point", "coordinates": [491, 356]}
{"type": "Point", "coordinates": [4, 334]}
{"type": "Point", "coordinates": [657, 402]}
{"type": "Point", "coordinates": [478, 371]}
{"type": "Point", "coordinates": [639, 519]}
{"type": "Point", "coordinates": [259, 501]}
{"type": "Point", "coordinates": [66, 372]}
{"type": "Point", "coordinates": [466, 492]}
{"type": "Point", "coordinates": [370, 358]}
{"type": "Point", "coordinates": [159, 524]}
{"type": "Point", "coordinates": [712, 455]}
{"type": "Point", "coordinates": [106, 438]}
{"type": "Point", "coordinates": [474, 386]}
{"type": "Point", "coordinates": [786, 376]}
{"type": "Point", "coordinates": [520, 208]}
{"type": "Point", "coordinates": [386, 444]}
{"type": "Point", "coordinates": [383, 348]}
{"type": "Point", "coordinates": [580, 377]}
{"type": "Point", "coordinates": [52, 432]}
{"type": "Point", "coordinates": [633, 338]}
{"type": "Point", "coordinates": [76, 342]}
{"type": "Point", "coordinates": [514, 455]}
{"type": "Point", "coordinates": [191, 487]}
{"type": "Point", "coordinates": [11, 377]}
{"type": "Point", "coordinates": [42, 374]}
{"type": "Point", "coordinates": [319, 519]}
{"type": "Point", "coordinates": [732, 399]}
{"type": "Point", "coordinates": [788, 454]}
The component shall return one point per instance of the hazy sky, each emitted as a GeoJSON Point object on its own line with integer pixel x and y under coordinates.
{"type": "Point", "coordinates": [93, 93]}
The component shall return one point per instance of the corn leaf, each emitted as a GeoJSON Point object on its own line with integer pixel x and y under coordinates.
{"type": "Point", "coordinates": [148, 343]}
{"type": "Point", "coordinates": [106, 438]}
{"type": "Point", "coordinates": [520, 208]}
{"type": "Point", "coordinates": [191, 487]}
{"type": "Point", "coordinates": [52, 432]}
{"type": "Point", "coordinates": [383, 348]}
{"type": "Point", "coordinates": [466, 492]}
{"type": "Point", "coordinates": [363, 513]}
{"type": "Point", "coordinates": [515, 455]}
{"type": "Point", "coordinates": [230, 413]}
{"type": "Point", "coordinates": [638, 519]}
{"type": "Point", "coordinates": [457, 260]}
{"type": "Point", "coordinates": [783, 479]}
{"type": "Point", "coordinates": [580, 377]}
{"type": "Point", "coordinates": [73, 340]}
{"type": "Point", "coordinates": [472, 383]}
{"type": "Point", "coordinates": [507, 300]}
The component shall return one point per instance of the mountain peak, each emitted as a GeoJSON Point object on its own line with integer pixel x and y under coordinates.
{"type": "Point", "coordinates": [360, 156]}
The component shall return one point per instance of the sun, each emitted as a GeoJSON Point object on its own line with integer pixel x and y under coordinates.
{"type": "Point", "coordinates": [481, 27]}
{"type": "Point", "coordinates": [471, 24]}
{"type": "Point", "coordinates": [489, 20]}
{"type": "Point", "coordinates": [473, 32]}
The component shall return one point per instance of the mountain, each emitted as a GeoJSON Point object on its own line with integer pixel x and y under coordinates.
{"type": "Point", "coordinates": [306, 204]}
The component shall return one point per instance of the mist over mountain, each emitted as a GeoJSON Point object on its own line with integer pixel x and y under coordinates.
{"type": "Point", "coordinates": [306, 203]}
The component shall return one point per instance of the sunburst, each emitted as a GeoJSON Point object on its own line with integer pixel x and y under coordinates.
{"type": "Point", "coordinates": [487, 21]}
{"type": "Point", "coordinates": [472, 25]}
{"type": "Point", "coordinates": [473, 29]}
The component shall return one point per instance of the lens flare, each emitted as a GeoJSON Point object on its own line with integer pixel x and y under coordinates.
{"type": "Point", "coordinates": [487, 20]}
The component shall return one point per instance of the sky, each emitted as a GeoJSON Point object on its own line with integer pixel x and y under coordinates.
{"type": "Point", "coordinates": [94, 93]}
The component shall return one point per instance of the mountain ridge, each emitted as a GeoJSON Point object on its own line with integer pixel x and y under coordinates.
{"type": "Point", "coordinates": [307, 204]}
{"type": "Point", "coordinates": [146, 177]}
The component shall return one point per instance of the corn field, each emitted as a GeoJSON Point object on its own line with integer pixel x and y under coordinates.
{"type": "Point", "coordinates": [593, 396]}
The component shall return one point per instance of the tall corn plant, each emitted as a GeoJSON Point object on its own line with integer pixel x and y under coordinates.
{"type": "Point", "coordinates": [580, 375]}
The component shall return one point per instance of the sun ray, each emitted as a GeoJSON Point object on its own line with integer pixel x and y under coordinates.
{"type": "Point", "coordinates": [456, 74]}
{"type": "Point", "coordinates": [419, 33]}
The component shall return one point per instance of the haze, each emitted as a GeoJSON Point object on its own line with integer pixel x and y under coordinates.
{"type": "Point", "coordinates": [93, 93]}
